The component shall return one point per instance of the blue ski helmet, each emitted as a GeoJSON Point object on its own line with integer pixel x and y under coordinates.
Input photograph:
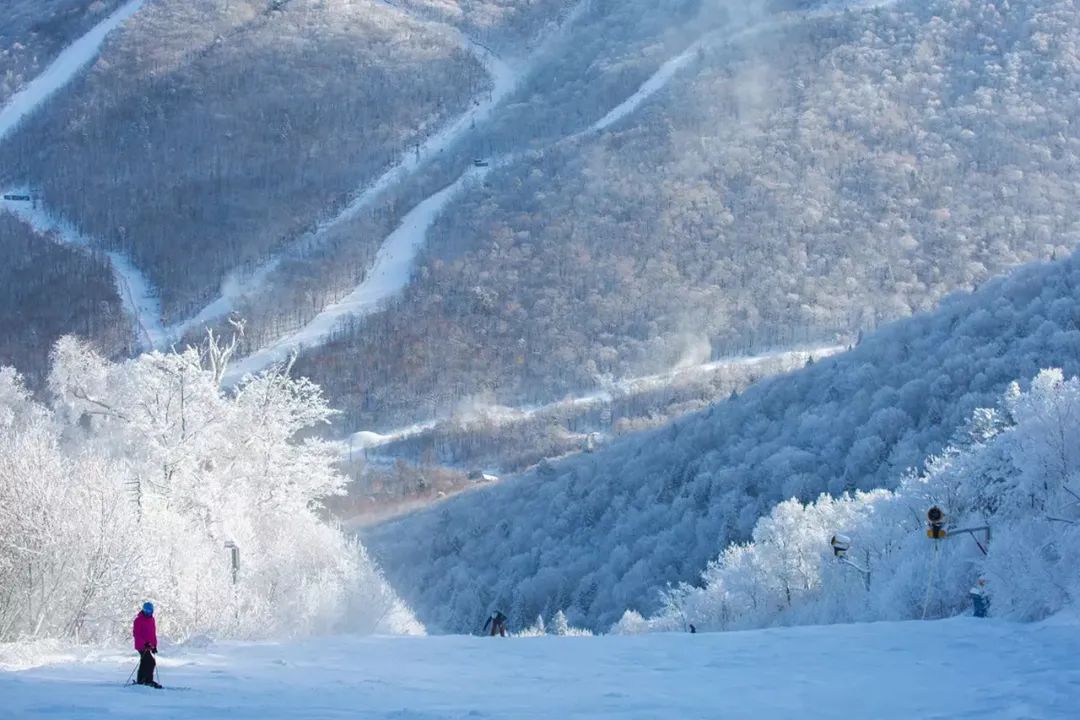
{"type": "Point", "coordinates": [148, 608]}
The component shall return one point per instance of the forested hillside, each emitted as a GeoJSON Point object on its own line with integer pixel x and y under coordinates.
{"type": "Point", "coordinates": [597, 534]}
{"type": "Point", "coordinates": [209, 134]}
{"type": "Point", "coordinates": [32, 32]}
{"type": "Point", "coordinates": [500, 24]}
{"type": "Point", "coordinates": [1012, 469]}
{"type": "Point", "coordinates": [577, 192]}
{"type": "Point", "coordinates": [48, 290]}
{"type": "Point", "coordinates": [810, 177]}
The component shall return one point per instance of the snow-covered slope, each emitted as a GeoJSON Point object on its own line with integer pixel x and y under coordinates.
{"type": "Point", "coordinates": [504, 79]}
{"type": "Point", "coordinates": [962, 668]}
{"type": "Point", "coordinates": [600, 533]}
{"type": "Point", "coordinates": [388, 276]}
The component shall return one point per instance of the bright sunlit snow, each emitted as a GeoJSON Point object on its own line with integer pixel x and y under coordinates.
{"type": "Point", "coordinates": [961, 668]}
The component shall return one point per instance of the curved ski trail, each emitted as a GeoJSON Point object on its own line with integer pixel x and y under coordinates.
{"type": "Point", "coordinates": [501, 415]}
{"type": "Point", "coordinates": [388, 276]}
{"type": "Point", "coordinates": [504, 78]}
{"type": "Point", "coordinates": [137, 294]}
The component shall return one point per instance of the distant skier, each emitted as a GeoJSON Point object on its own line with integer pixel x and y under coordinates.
{"type": "Point", "coordinates": [497, 621]}
{"type": "Point", "coordinates": [980, 599]}
{"type": "Point", "coordinates": [144, 631]}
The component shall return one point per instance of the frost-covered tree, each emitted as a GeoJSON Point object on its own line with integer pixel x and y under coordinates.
{"type": "Point", "coordinates": [611, 528]}
{"type": "Point", "coordinates": [1020, 476]}
{"type": "Point", "coordinates": [140, 477]}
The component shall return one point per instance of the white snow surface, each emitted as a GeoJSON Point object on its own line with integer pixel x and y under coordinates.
{"type": "Point", "coordinates": [959, 668]}
{"type": "Point", "coordinates": [136, 292]}
{"type": "Point", "coordinates": [63, 69]}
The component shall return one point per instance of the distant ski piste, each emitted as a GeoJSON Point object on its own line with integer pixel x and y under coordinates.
{"type": "Point", "coordinates": [387, 277]}
{"type": "Point", "coordinates": [659, 79]}
{"type": "Point", "coordinates": [498, 415]}
{"type": "Point", "coordinates": [137, 294]}
{"type": "Point", "coordinates": [63, 69]}
{"type": "Point", "coordinates": [392, 266]}
{"type": "Point", "coordinates": [504, 77]}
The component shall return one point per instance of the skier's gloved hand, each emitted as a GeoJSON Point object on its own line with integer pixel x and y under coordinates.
{"type": "Point", "coordinates": [154, 650]}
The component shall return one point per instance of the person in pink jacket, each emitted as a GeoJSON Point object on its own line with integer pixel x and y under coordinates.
{"type": "Point", "coordinates": [144, 630]}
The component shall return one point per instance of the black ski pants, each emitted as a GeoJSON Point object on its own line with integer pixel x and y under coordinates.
{"type": "Point", "coordinates": [147, 663]}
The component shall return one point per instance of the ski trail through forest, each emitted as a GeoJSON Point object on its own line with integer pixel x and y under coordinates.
{"type": "Point", "coordinates": [63, 69]}
{"type": "Point", "coordinates": [499, 416]}
{"type": "Point", "coordinates": [388, 276]}
{"type": "Point", "coordinates": [660, 79]}
{"type": "Point", "coordinates": [137, 294]}
{"type": "Point", "coordinates": [504, 76]}
{"type": "Point", "coordinates": [375, 289]}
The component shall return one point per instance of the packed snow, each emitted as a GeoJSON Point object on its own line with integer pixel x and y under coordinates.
{"type": "Point", "coordinates": [63, 69]}
{"type": "Point", "coordinates": [138, 295]}
{"type": "Point", "coordinates": [960, 668]}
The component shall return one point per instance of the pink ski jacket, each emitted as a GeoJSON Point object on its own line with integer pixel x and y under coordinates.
{"type": "Point", "coordinates": [144, 630]}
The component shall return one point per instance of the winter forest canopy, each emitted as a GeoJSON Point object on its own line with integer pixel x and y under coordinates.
{"type": "Point", "coordinates": [1014, 468]}
{"type": "Point", "coordinates": [811, 171]}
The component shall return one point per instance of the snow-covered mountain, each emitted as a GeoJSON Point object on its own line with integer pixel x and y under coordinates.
{"type": "Point", "coordinates": [598, 534]}
{"type": "Point", "coordinates": [523, 199]}
{"type": "Point", "coordinates": [832, 239]}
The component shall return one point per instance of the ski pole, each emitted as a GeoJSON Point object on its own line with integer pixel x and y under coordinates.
{"type": "Point", "coordinates": [132, 674]}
